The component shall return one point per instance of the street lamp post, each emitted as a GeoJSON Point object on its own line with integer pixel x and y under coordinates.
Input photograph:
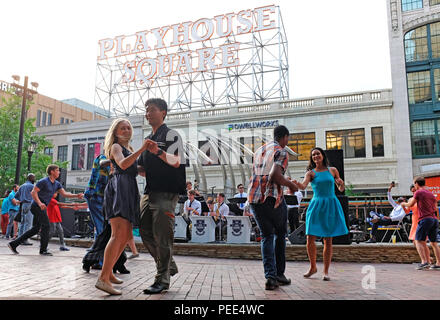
{"type": "Point", "coordinates": [31, 151]}
{"type": "Point", "coordinates": [26, 93]}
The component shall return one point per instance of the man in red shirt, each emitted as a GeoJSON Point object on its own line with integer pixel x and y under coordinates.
{"type": "Point", "coordinates": [428, 223]}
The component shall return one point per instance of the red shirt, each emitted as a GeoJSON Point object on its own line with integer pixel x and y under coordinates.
{"type": "Point", "coordinates": [53, 211]}
{"type": "Point", "coordinates": [426, 204]}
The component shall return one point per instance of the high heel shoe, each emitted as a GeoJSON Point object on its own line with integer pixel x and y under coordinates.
{"type": "Point", "coordinates": [101, 285]}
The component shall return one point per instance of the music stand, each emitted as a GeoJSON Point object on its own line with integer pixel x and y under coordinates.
{"type": "Point", "coordinates": [237, 200]}
{"type": "Point", "coordinates": [291, 200]}
{"type": "Point", "coordinates": [233, 205]}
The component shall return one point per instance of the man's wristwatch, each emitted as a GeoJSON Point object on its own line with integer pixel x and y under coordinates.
{"type": "Point", "coordinates": [159, 152]}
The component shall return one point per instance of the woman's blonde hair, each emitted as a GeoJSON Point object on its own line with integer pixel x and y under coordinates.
{"type": "Point", "coordinates": [110, 137]}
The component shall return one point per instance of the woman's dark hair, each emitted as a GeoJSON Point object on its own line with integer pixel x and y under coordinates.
{"type": "Point", "coordinates": [312, 164]}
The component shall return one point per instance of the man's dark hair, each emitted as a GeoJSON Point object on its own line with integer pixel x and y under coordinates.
{"type": "Point", "coordinates": [15, 186]}
{"type": "Point", "coordinates": [192, 192]}
{"type": "Point", "coordinates": [159, 103]}
{"type": "Point", "coordinates": [410, 187]}
{"type": "Point", "coordinates": [222, 195]}
{"type": "Point", "coordinates": [30, 176]}
{"type": "Point", "coordinates": [240, 185]}
{"type": "Point", "coordinates": [420, 181]}
{"type": "Point", "coordinates": [280, 132]}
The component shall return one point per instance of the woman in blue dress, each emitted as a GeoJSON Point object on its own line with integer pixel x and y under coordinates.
{"type": "Point", "coordinates": [325, 216]}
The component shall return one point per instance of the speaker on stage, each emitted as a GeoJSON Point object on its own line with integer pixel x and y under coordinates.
{"type": "Point", "coordinates": [336, 159]}
{"type": "Point", "coordinates": [62, 179]}
{"type": "Point", "coordinates": [344, 239]}
{"type": "Point", "coordinates": [68, 221]}
{"type": "Point", "coordinates": [298, 236]}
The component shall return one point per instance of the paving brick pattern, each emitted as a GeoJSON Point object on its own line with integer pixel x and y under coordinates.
{"type": "Point", "coordinates": [202, 278]}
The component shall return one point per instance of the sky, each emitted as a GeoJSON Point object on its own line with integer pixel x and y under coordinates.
{"type": "Point", "coordinates": [334, 46]}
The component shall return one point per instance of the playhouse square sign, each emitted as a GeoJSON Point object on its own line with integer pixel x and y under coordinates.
{"type": "Point", "coordinates": [186, 47]}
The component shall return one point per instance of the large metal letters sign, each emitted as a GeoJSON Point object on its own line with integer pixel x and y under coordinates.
{"type": "Point", "coordinates": [196, 64]}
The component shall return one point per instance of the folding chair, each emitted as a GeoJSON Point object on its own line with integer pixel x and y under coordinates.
{"type": "Point", "coordinates": [395, 229]}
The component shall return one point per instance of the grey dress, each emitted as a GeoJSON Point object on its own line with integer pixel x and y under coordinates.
{"type": "Point", "coordinates": [121, 195]}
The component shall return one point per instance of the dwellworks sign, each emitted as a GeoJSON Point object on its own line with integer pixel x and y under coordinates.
{"type": "Point", "coordinates": [252, 125]}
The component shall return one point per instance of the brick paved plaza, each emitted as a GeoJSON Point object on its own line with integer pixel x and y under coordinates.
{"type": "Point", "coordinates": [61, 277]}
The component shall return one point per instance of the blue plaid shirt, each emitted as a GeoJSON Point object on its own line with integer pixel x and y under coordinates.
{"type": "Point", "coordinates": [98, 180]}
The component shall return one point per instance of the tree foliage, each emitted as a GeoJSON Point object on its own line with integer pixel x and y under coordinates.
{"type": "Point", "coordinates": [10, 114]}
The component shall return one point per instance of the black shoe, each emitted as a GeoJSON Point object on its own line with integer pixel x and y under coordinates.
{"type": "Point", "coordinates": [13, 248]}
{"type": "Point", "coordinates": [271, 284]}
{"type": "Point", "coordinates": [46, 253]}
{"type": "Point", "coordinates": [122, 270]}
{"type": "Point", "coordinates": [156, 288]}
{"type": "Point", "coordinates": [86, 267]}
{"type": "Point", "coordinates": [282, 280]}
{"type": "Point", "coordinates": [96, 266]}
{"type": "Point", "coordinates": [173, 272]}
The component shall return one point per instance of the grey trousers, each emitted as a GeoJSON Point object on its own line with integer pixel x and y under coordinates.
{"type": "Point", "coordinates": [157, 232]}
{"type": "Point", "coordinates": [56, 227]}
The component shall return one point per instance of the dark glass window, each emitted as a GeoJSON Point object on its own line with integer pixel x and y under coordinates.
{"type": "Point", "coordinates": [352, 142]}
{"type": "Point", "coordinates": [43, 119]}
{"type": "Point", "coordinates": [434, 2]}
{"type": "Point", "coordinates": [301, 143]}
{"type": "Point", "coordinates": [211, 150]}
{"type": "Point", "coordinates": [93, 150]}
{"type": "Point", "coordinates": [424, 137]}
{"type": "Point", "coordinates": [416, 45]}
{"type": "Point", "coordinates": [377, 141]}
{"type": "Point", "coordinates": [37, 123]}
{"type": "Point", "coordinates": [78, 153]}
{"type": "Point", "coordinates": [250, 144]}
{"type": "Point", "coordinates": [419, 87]}
{"type": "Point", "coordinates": [62, 153]}
{"type": "Point", "coordinates": [49, 119]}
{"type": "Point", "coordinates": [408, 5]}
{"type": "Point", "coordinates": [62, 120]}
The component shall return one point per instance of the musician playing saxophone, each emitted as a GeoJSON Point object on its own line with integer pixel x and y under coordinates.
{"type": "Point", "coordinates": [192, 206]}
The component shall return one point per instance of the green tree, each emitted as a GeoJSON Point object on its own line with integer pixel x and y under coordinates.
{"type": "Point", "coordinates": [10, 113]}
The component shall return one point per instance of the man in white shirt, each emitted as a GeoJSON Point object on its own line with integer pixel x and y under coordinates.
{"type": "Point", "coordinates": [241, 194]}
{"type": "Point", "coordinates": [221, 210]}
{"type": "Point", "coordinates": [395, 216]}
{"type": "Point", "coordinates": [192, 206]}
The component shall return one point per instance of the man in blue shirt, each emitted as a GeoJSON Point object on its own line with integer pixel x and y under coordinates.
{"type": "Point", "coordinates": [25, 199]}
{"type": "Point", "coordinates": [13, 210]}
{"type": "Point", "coordinates": [42, 193]}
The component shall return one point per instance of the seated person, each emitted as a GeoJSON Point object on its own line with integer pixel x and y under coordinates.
{"type": "Point", "coordinates": [241, 194]}
{"type": "Point", "coordinates": [396, 215]}
{"type": "Point", "coordinates": [192, 206]}
{"type": "Point", "coordinates": [189, 186]}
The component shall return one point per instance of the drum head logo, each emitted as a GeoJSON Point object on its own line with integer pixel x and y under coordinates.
{"type": "Point", "coordinates": [200, 227]}
{"type": "Point", "coordinates": [236, 226]}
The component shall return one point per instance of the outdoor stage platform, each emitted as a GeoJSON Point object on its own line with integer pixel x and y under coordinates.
{"type": "Point", "coordinates": [362, 252]}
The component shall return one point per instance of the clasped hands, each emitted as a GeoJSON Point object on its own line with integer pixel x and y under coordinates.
{"type": "Point", "coordinates": [150, 146]}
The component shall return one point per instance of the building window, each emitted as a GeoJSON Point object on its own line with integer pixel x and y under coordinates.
{"type": "Point", "coordinates": [43, 119]}
{"type": "Point", "coordinates": [49, 119]}
{"type": "Point", "coordinates": [424, 137]}
{"type": "Point", "coordinates": [48, 151]}
{"type": "Point", "coordinates": [250, 144]}
{"type": "Point", "coordinates": [434, 2]}
{"type": "Point", "coordinates": [62, 153]}
{"type": "Point", "coordinates": [78, 153]}
{"type": "Point", "coordinates": [408, 5]}
{"type": "Point", "coordinates": [352, 142]}
{"type": "Point", "coordinates": [377, 141]}
{"type": "Point", "coordinates": [62, 120]}
{"type": "Point", "coordinates": [419, 87]}
{"type": "Point", "coordinates": [416, 45]}
{"type": "Point", "coordinates": [93, 150]}
{"type": "Point", "coordinates": [37, 123]}
{"type": "Point", "coordinates": [301, 143]}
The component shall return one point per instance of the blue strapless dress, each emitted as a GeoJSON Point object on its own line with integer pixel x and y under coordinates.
{"type": "Point", "coordinates": [325, 216]}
